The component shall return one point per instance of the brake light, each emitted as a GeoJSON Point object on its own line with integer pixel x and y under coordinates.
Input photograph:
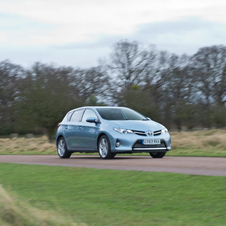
{"type": "Point", "coordinates": [59, 124]}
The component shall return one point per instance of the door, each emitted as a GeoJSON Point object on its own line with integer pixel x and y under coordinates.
{"type": "Point", "coordinates": [71, 130]}
{"type": "Point", "coordinates": [87, 132]}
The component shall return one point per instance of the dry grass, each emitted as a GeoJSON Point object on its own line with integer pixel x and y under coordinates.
{"type": "Point", "coordinates": [197, 143]}
{"type": "Point", "coordinates": [199, 139]}
{"type": "Point", "coordinates": [27, 146]}
{"type": "Point", "coordinates": [206, 142]}
{"type": "Point", "coordinates": [17, 213]}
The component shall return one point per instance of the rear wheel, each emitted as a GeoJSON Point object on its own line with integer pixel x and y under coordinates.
{"type": "Point", "coordinates": [105, 148]}
{"type": "Point", "coordinates": [62, 149]}
{"type": "Point", "coordinates": [157, 154]}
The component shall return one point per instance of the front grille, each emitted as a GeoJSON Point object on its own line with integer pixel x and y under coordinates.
{"type": "Point", "coordinates": [139, 144]}
{"type": "Point", "coordinates": [157, 132]}
{"type": "Point", "coordinates": [141, 133]}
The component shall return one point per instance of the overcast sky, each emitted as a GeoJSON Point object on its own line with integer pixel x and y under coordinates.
{"type": "Point", "coordinates": [79, 32]}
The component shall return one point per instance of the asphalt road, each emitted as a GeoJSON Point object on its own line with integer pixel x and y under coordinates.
{"type": "Point", "coordinates": [186, 165]}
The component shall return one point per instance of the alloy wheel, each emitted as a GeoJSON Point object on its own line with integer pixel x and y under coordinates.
{"type": "Point", "coordinates": [103, 147]}
{"type": "Point", "coordinates": [61, 147]}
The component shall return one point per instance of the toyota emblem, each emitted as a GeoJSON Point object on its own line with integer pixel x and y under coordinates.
{"type": "Point", "coordinates": [149, 132]}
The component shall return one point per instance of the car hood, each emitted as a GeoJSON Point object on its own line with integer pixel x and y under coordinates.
{"type": "Point", "coordinates": [136, 125]}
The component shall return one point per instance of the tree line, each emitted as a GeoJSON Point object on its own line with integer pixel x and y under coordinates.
{"type": "Point", "coordinates": [177, 91]}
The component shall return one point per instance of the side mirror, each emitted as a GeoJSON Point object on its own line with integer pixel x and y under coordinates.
{"type": "Point", "coordinates": [92, 120]}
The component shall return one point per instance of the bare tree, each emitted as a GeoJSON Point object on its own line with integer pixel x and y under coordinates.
{"type": "Point", "coordinates": [177, 88]}
{"type": "Point", "coordinates": [209, 70]}
{"type": "Point", "coordinates": [10, 75]}
{"type": "Point", "coordinates": [129, 63]}
{"type": "Point", "coordinates": [45, 97]}
{"type": "Point", "coordinates": [87, 82]}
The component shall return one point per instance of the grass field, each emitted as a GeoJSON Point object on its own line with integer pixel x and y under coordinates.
{"type": "Point", "coordinates": [198, 143]}
{"type": "Point", "coordinates": [114, 197]}
{"type": "Point", "coordinates": [15, 212]}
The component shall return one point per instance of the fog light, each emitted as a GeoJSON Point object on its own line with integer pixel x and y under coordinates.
{"type": "Point", "coordinates": [118, 143]}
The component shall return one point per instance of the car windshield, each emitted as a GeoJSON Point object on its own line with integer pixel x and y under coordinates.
{"type": "Point", "coordinates": [120, 114]}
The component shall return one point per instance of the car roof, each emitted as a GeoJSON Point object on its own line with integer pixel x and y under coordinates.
{"type": "Point", "coordinates": [94, 107]}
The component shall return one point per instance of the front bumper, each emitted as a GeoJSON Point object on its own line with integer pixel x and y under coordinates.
{"type": "Point", "coordinates": [132, 143]}
{"type": "Point", "coordinates": [139, 147]}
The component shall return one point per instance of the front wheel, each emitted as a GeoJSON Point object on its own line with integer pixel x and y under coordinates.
{"type": "Point", "coordinates": [62, 149]}
{"type": "Point", "coordinates": [157, 154]}
{"type": "Point", "coordinates": [105, 148]}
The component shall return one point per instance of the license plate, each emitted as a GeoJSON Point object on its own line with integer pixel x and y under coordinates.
{"type": "Point", "coordinates": [151, 141]}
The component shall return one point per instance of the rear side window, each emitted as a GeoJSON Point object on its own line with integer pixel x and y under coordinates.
{"type": "Point", "coordinates": [77, 115]}
{"type": "Point", "coordinates": [69, 115]}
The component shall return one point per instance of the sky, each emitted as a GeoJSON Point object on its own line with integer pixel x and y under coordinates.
{"type": "Point", "coordinates": [79, 33]}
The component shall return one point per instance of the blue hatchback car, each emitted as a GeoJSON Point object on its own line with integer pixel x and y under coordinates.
{"type": "Point", "coordinates": [110, 131]}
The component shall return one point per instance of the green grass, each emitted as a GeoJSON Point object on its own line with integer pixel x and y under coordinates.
{"type": "Point", "coordinates": [114, 197]}
{"type": "Point", "coordinates": [197, 152]}
{"type": "Point", "coordinates": [15, 212]}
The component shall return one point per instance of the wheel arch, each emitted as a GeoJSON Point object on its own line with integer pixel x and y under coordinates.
{"type": "Point", "coordinates": [58, 139]}
{"type": "Point", "coordinates": [108, 135]}
{"type": "Point", "coordinates": [99, 136]}
{"type": "Point", "coordinates": [65, 153]}
{"type": "Point", "coordinates": [109, 155]}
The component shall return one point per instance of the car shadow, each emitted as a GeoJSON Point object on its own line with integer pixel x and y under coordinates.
{"type": "Point", "coordinates": [118, 157]}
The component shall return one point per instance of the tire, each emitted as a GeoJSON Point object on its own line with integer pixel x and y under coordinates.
{"type": "Point", "coordinates": [104, 148]}
{"type": "Point", "coordinates": [62, 149]}
{"type": "Point", "coordinates": [157, 154]}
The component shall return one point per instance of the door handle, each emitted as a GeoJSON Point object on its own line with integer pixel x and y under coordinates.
{"type": "Point", "coordinates": [79, 128]}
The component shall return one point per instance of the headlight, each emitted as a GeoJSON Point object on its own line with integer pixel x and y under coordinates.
{"type": "Point", "coordinates": [164, 130]}
{"type": "Point", "coordinates": [123, 131]}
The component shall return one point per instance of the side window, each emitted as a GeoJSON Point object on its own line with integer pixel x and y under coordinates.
{"type": "Point", "coordinates": [77, 115]}
{"type": "Point", "coordinates": [88, 113]}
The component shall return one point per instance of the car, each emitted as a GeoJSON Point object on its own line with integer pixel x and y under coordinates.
{"type": "Point", "coordinates": [110, 131]}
